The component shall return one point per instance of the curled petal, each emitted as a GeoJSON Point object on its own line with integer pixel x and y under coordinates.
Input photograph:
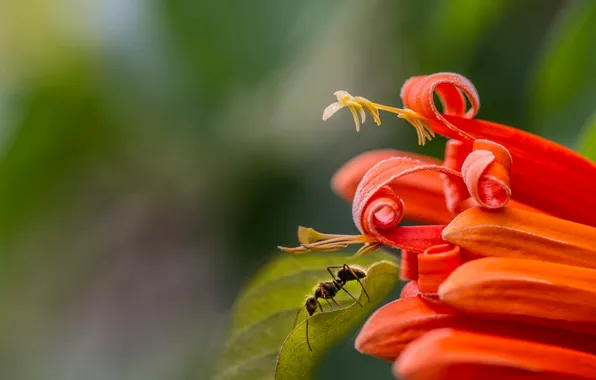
{"type": "Point", "coordinates": [546, 175]}
{"type": "Point", "coordinates": [531, 291]}
{"type": "Point", "coordinates": [418, 94]}
{"type": "Point", "coordinates": [332, 109]}
{"type": "Point", "coordinates": [517, 233]}
{"type": "Point", "coordinates": [453, 354]}
{"type": "Point", "coordinates": [421, 192]}
{"type": "Point", "coordinates": [346, 179]}
{"type": "Point", "coordinates": [478, 189]}
{"type": "Point", "coordinates": [486, 174]}
{"type": "Point", "coordinates": [377, 209]}
{"type": "Point", "coordinates": [435, 265]}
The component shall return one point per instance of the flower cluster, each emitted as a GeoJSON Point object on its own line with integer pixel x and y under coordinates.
{"type": "Point", "coordinates": [502, 281]}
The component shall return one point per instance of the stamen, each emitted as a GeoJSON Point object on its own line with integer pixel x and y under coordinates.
{"type": "Point", "coordinates": [357, 105]}
{"type": "Point", "coordinates": [369, 248]}
{"type": "Point", "coordinates": [311, 240]}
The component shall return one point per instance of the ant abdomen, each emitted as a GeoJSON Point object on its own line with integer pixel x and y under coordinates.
{"type": "Point", "coordinates": [350, 274]}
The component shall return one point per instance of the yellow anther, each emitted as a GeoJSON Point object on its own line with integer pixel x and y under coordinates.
{"type": "Point", "coordinates": [357, 105]}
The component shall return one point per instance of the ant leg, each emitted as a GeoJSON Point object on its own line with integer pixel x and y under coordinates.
{"type": "Point", "coordinates": [298, 313]}
{"type": "Point", "coordinates": [322, 291]}
{"type": "Point", "coordinates": [346, 266]}
{"type": "Point", "coordinates": [307, 341]}
{"type": "Point", "coordinates": [335, 302]}
{"type": "Point", "coordinates": [350, 294]}
{"type": "Point", "coordinates": [331, 273]}
{"type": "Point", "coordinates": [326, 300]}
{"type": "Point", "coordinates": [338, 281]}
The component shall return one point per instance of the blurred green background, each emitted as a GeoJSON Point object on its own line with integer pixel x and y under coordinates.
{"type": "Point", "coordinates": [154, 153]}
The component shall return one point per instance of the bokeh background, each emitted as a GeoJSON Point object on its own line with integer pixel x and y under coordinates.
{"type": "Point", "coordinates": [154, 152]}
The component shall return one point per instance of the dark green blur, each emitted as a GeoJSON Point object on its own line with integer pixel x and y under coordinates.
{"type": "Point", "coordinates": [154, 153]}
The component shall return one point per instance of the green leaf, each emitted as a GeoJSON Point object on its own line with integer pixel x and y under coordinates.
{"type": "Point", "coordinates": [565, 86]}
{"type": "Point", "coordinates": [296, 361]}
{"type": "Point", "coordinates": [587, 140]}
{"type": "Point", "coordinates": [264, 312]}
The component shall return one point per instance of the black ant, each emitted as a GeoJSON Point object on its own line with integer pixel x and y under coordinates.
{"type": "Point", "coordinates": [327, 290]}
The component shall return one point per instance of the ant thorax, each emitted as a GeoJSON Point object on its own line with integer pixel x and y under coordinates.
{"type": "Point", "coordinates": [327, 289]}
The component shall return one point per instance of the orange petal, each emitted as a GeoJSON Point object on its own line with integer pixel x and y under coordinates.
{"type": "Point", "coordinates": [518, 233]}
{"type": "Point", "coordinates": [453, 354]}
{"type": "Point", "coordinates": [377, 209]}
{"type": "Point", "coordinates": [408, 267]}
{"type": "Point", "coordinates": [410, 289]}
{"type": "Point", "coordinates": [418, 94]}
{"type": "Point", "coordinates": [545, 175]}
{"type": "Point", "coordinates": [435, 265]}
{"type": "Point", "coordinates": [531, 291]}
{"type": "Point", "coordinates": [392, 327]}
{"type": "Point", "coordinates": [486, 174]}
{"type": "Point", "coordinates": [462, 194]}
{"type": "Point", "coordinates": [387, 332]}
{"type": "Point", "coordinates": [455, 189]}
{"type": "Point", "coordinates": [422, 192]}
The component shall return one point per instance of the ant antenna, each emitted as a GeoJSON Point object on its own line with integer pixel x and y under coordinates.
{"type": "Point", "coordinates": [298, 313]}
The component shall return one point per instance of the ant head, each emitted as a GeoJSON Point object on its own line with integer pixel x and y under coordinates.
{"type": "Point", "coordinates": [311, 305]}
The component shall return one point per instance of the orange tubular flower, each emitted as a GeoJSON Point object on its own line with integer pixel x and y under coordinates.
{"type": "Point", "coordinates": [394, 326]}
{"type": "Point", "coordinates": [533, 291]}
{"type": "Point", "coordinates": [518, 233]}
{"type": "Point", "coordinates": [504, 286]}
{"type": "Point", "coordinates": [448, 353]}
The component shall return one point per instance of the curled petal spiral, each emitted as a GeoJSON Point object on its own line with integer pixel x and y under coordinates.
{"type": "Point", "coordinates": [435, 265]}
{"type": "Point", "coordinates": [539, 163]}
{"type": "Point", "coordinates": [418, 94]}
{"type": "Point", "coordinates": [486, 172]}
{"type": "Point", "coordinates": [422, 191]}
{"type": "Point", "coordinates": [377, 209]}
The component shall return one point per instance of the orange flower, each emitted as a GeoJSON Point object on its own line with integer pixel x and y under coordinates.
{"type": "Point", "coordinates": [532, 291]}
{"type": "Point", "coordinates": [394, 326]}
{"type": "Point", "coordinates": [505, 284]}
{"type": "Point", "coordinates": [453, 354]}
